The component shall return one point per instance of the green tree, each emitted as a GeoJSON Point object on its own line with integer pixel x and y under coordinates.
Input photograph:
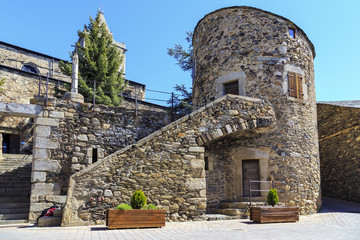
{"type": "Point", "coordinates": [183, 57]}
{"type": "Point", "coordinates": [272, 197]}
{"type": "Point", "coordinates": [99, 61]}
{"type": "Point", "coordinates": [182, 102]}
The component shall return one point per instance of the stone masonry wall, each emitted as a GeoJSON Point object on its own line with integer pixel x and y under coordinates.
{"type": "Point", "coordinates": [339, 138]}
{"type": "Point", "coordinates": [168, 165]}
{"type": "Point", "coordinates": [66, 135]}
{"type": "Point", "coordinates": [253, 47]}
{"type": "Point", "coordinates": [16, 57]}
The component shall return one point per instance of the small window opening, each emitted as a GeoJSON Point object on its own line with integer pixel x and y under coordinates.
{"type": "Point", "coordinates": [94, 155]}
{"type": "Point", "coordinates": [292, 33]}
{"type": "Point", "coordinates": [28, 68]}
{"type": "Point", "coordinates": [206, 163]}
{"type": "Point", "coordinates": [231, 88]}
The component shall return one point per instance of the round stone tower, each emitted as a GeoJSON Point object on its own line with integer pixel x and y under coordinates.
{"type": "Point", "coordinates": [254, 53]}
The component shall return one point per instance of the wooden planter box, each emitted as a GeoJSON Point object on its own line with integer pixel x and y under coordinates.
{"type": "Point", "coordinates": [268, 214]}
{"type": "Point", "coordinates": [136, 218]}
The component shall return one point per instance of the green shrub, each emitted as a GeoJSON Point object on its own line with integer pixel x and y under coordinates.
{"type": "Point", "coordinates": [138, 200]}
{"type": "Point", "coordinates": [124, 206]}
{"type": "Point", "coordinates": [150, 206]}
{"type": "Point", "coordinates": [272, 197]}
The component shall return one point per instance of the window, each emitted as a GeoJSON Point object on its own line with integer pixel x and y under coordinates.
{"type": "Point", "coordinates": [295, 85]}
{"type": "Point", "coordinates": [28, 68]}
{"type": "Point", "coordinates": [94, 155]}
{"type": "Point", "coordinates": [231, 88]}
{"type": "Point", "coordinates": [206, 163]}
{"type": "Point", "coordinates": [292, 32]}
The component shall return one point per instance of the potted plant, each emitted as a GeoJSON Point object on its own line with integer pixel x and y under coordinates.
{"type": "Point", "coordinates": [272, 214]}
{"type": "Point", "coordinates": [136, 215]}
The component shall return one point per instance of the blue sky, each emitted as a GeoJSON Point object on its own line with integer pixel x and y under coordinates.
{"type": "Point", "coordinates": [148, 28]}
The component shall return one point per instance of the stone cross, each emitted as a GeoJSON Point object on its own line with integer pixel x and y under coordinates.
{"type": "Point", "coordinates": [75, 72]}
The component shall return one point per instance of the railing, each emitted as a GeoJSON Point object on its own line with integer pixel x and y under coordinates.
{"type": "Point", "coordinates": [44, 88]}
{"type": "Point", "coordinates": [273, 183]}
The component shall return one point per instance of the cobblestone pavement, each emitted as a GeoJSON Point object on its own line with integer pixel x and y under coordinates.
{"type": "Point", "coordinates": [337, 220]}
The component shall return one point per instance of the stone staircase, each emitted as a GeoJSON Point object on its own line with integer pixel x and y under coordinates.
{"type": "Point", "coordinates": [15, 188]}
{"type": "Point", "coordinates": [239, 209]}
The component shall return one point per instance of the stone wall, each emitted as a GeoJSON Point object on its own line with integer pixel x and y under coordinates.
{"type": "Point", "coordinates": [68, 135]}
{"type": "Point", "coordinates": [16, 57]}
{"type": "Point", "coordinates": [339, 138]}
{"type": "Point", "coordinates": [168, 165]}
{"type": "Point", "coordinates": [253, 48]}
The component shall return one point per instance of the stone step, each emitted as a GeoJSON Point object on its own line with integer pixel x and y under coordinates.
{"type": "Point", "coordinates": [253, 199]}
{"type": "Point", "coordinates": [14, 216]}
{"type": "Point", "coordinates": [232, 211]}
{"type": "Point", "coordinates": [241, 205]}
{"type": "Point", "coordinates": [11, 205]}
{"type": "Point", "coordinates": [15, 195]}
{"type": "Point", "coordinates": [7, 156]}
{"type": "Point", "coordinates": [14, 210]}
{"type": "Point", "coordinates": [15, 189]}
{"type": "Point", "coordinates": [13, 222]}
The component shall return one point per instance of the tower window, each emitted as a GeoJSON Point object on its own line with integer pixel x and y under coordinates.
{"type": "Point", "coordinates": [292, 32]}
{"type": "Point", "coordinates": [28, 68]}
{"type": "Point", "coordinates": [295, 85]}
{"type": "Point", "coordinates": [94, 155]}
{"type": "Point", "coordinates": [231, 88]}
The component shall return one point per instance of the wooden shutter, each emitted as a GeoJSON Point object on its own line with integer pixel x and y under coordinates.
{"type": "Point", "coordinates": [300, 88]}
{"type": "Point", "coordinates": [292, 84]}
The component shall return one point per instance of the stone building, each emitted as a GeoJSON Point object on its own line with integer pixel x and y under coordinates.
{"type": "Point", "coordinates": [339, 141]}
{"type": "Point", "coordinates": [254, 53]}
{"type": "Point", "coordinates": [27, 74]}
{"type": "Point", "coordinates": [254, 119]}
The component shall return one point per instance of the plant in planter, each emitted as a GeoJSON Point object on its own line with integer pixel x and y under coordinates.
{"type": "Point", "coordinates": [137, 215]}
{"type": "Point", "coordinates": [272, 197]}
{"type": "Point", "coordinates": [266, 214]}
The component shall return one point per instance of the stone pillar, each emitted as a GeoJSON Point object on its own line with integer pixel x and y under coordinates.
{"type": "Point", "coordinates": [75, 73]}
{"type": "Point", "coordinates": [73, 95]}
{"type": "Point", "coordinates": [43, 193]}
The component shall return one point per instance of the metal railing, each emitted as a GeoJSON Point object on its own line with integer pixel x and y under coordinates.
{"type": "Point", "coordinates": [273, 183]}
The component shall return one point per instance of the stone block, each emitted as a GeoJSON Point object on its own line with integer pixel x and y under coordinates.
{"type": "Point", "coordinates": [38, 207]}
{"type": "Point", "coordinates": [46, 121]}
{"type": "Point", "coordinates": [197, 149]}
{"type": "Point", "coordinates": [43, 189]}
{"type": "Point", "coordinates": [82, 137]}
{"type": "Point", "coordinates": [61, 199]}
{"type": "Point", "coordinates": [58, 213]}
{"type": "Point", "coordinates": [56, 114]}
{"type": "Point", "coordinates": [50, 221]}
{"type": "Point", "coordinates": [41, 142]}
{"type": "Point", "coordinates": [195, 184]}
{"type": "Point", "coordinates": [108, 193]}
{"type": "Point", "coordinates": [38, 176]}
{"type": "Point", "coordinates": [41, 153]}
{"type": "Point", "coordinates": [197, 163]}
{"type": "Point", "coordinates": [46, 165]}
{"type": "Point", "coordinates": [42, 131]}
{"type": "Point", "coordinates": [21, 110]}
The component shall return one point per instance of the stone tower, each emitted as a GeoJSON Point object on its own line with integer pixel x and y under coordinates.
{"type": "Point", "coordinates": [254, 53]}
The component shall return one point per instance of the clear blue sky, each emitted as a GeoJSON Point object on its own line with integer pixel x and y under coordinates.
{"type": "Point", "coordinates": [148, 28]}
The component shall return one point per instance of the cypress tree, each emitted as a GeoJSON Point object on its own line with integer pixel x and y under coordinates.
{"type": "Point", "coordinates": [100, 61]}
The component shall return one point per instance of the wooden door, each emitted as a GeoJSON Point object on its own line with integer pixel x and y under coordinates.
{"type": "Point", "coordinates": [250, 171]}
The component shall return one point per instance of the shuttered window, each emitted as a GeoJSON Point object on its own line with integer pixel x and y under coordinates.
{"type": "Point", "coordinates": [231, 88]}
{"type": "Point", "coordinates": [295, 85]}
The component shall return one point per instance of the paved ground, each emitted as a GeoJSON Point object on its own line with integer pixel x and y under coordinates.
{"type": "Point", "coordinates": [337, 220]}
